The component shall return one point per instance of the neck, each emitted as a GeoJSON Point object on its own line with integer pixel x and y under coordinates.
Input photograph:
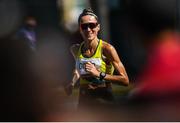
{"type": "Point", "coordinates": [91, 44]}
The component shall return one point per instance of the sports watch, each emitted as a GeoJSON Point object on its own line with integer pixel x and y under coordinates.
{"type": "Point", "coordinates": [102, 76]}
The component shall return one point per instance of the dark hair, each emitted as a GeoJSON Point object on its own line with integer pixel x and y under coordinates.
{"type": "Point", "coordinates": [87, 11]}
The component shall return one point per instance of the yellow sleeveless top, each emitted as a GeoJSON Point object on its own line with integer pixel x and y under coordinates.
{"type": "Point", "coordinates": [96, 59]}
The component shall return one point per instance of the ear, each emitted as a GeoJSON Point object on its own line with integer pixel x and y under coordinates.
{"type": "Point", "coordinates": [98, 27]}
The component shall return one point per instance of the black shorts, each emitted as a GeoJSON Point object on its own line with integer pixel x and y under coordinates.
{"type": "Point", "coordinates": [96, 97]}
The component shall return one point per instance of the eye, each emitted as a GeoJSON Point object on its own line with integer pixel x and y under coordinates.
{"type": "Point", "coordinates": [85, 26]}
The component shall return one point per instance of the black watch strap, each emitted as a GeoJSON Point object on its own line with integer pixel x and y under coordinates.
{"type": "Point", "coordinates": [102, 76]}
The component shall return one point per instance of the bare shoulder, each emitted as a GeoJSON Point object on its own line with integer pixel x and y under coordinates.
{"type": "Point", "coordinates": [74, 49]}
{"type": "Point", "coordinates": [110, 52]}
{"type": "Point", "coordinates": [107, 48]}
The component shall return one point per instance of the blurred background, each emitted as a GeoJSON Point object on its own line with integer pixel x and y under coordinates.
{"type": "Point", "coordinates": [32, 83]}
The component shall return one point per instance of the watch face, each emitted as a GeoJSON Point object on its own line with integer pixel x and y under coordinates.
{"type": "Point", "coordinates": [103, 74]}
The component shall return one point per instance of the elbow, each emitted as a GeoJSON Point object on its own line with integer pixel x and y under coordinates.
{"type": "Point", "coordinates": [124, 81]}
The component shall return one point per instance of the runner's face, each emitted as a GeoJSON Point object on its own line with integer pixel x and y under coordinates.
{"type": "Point", "coordinates": [89, 27]}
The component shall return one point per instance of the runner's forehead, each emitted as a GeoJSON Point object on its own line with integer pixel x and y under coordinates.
{"type": "Point", "coordinates": [88, 19]}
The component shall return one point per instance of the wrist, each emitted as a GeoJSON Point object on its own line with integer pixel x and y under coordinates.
{"type": "Point", "coordinates": [72, 84]}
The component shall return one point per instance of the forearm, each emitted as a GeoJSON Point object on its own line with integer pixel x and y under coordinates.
{"type": "Point", "coordinates": [117, 79]}
{"type": "Point", "coordinates": [121, 79]}
{"type": "Point", "coordinates": [76, 76]}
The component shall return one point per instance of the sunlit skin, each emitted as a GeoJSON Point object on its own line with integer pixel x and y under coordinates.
{"type": "Point", "coordinates": [90, 44]}
{"type": "Point", "coordinates": [89, 35]}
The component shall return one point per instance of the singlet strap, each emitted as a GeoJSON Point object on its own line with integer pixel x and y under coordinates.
{"type": "Point", "coordinates": [97, 53]}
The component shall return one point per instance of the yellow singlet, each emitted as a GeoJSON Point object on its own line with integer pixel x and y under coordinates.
{"type": "Point", "coordinates": [96, 59]}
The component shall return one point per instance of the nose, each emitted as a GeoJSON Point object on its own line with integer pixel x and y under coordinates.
{"type": "Point", "coordinates": [88, 28]}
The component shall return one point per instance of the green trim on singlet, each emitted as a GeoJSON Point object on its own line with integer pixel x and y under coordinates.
{"type": "Point", "coordinates": [108, 69]}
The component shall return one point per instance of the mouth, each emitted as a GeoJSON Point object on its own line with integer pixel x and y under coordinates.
{"type": "Point", "coordinates": [89, 34]}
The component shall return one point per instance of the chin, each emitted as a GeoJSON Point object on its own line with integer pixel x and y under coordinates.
{"type": "Point", "coordinates": [90, 38]}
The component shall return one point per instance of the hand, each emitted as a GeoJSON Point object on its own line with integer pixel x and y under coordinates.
{"type": "Point", "coordinates": [68, 89]}
{"type": "Point", "coordinates": [90, 67]}
{"type": "Point", "coordinates": [91, 87]}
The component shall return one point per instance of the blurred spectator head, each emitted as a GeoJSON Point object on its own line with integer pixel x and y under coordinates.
{"type": "Point", "coordinates": [30, 22]}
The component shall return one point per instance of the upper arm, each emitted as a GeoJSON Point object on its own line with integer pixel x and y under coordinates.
{"type": "Point", "coordinates": [74, 50]}
{"type": "Point", "coordinates": [110, 52]}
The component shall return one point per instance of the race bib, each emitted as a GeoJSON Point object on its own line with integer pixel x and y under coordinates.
{"type": "Point", "coordinates": [80, 64]}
